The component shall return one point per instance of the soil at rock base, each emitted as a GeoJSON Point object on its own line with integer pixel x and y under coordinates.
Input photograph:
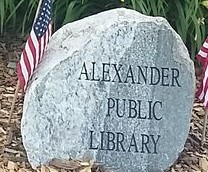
{"type": "Point", "coordinates": [194, 158]}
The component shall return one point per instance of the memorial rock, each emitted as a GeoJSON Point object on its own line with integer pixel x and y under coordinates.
{"type": "Point", "coordinates": [116, 87]}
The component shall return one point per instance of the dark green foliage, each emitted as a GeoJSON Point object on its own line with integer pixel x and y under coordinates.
{"type": "Point", "coordinates": [6, 8]}
{"type": "Point", "coordinates": [188, 17]}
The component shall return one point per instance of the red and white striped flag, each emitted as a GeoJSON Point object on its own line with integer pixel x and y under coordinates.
{"type": "Point", "coordinates": [36, 44]}
{"type": "Point", "coordinates": [202, 92]}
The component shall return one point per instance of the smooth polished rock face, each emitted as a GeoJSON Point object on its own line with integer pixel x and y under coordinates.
{"type": "Point", "coordinates": [116, 87]}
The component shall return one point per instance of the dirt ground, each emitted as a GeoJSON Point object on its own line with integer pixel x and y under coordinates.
{"type": "Point", "coordinates": [194, 157]}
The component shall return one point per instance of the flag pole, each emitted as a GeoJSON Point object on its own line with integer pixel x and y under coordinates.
{"type": "Point", "coordinates": [18, 82]}
{"type": "Point", "coordinates": [13, 103]}
{"type": "Point", "coordinates": [204, 126]}
{"type": "Point", "coordinates": [38, 9]}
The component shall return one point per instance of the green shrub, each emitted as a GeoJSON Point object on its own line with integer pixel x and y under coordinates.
{"type": "Point", "coordinates": [188, 17]}
{"type": "Point", "coordinates": [6, 8]}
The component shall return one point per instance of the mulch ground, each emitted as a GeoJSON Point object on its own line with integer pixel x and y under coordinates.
{"type": "Point", "coordinates": [194, 157]}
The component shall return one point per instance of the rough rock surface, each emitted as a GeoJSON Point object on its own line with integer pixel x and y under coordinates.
{"type": "Point", "coordinates": [89, 96]}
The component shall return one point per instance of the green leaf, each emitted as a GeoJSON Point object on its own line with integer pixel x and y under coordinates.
{"type": "Point", "coordinates": [2, 14]}
{"type": "Point", "coordinates": [205, 4]}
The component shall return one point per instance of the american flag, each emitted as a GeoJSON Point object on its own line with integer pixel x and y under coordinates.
{"type": "Point", "coordinates": [36, 44]}
{"type": "Point", "coordinates": [202, 92]}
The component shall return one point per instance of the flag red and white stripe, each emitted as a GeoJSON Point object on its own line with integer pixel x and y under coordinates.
{"type": "Point", "coordinates": [202, 92]}
{"type": "Point", "coordinates": [36, 44]}
{"type": "Point", "coordinates": [203, 52]}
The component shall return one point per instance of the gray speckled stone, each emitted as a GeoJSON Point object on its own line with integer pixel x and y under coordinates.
{"type": "Point", "coordinates": [69, 113]}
